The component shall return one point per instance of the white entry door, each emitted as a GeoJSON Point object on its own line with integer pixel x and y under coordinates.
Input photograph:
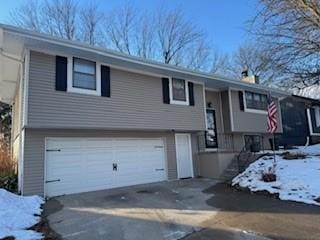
{"type": "Point", "coordinates": [184, 156]}
{"type": "Point", "coordinates": [75, 165]}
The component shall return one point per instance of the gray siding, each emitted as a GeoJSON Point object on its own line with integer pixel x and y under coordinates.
{"type": "Point", "coordinates": [135, 103]}
{"type": "Point", "coordinates": [250, 122]}
{"type": "Point", "coordinates": [35, 152]}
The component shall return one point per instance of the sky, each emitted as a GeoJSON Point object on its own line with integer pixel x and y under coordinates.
{"type": "Point", "coordinates": [223, 20]}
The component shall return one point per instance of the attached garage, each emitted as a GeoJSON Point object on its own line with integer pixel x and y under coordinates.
{"type": "Point", "coordinates": [74, 165]}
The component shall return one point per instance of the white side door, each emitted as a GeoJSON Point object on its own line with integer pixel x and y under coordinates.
{"type": "Point", "coordinates": [184, 155]}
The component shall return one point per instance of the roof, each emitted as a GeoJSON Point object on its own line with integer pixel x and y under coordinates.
{"type": "Point", "coordinates": [312, 100]}
{"type": "Point", "coordinates": [14, 40]}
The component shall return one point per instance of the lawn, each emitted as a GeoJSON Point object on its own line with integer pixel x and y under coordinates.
{"type": "Point", "coordinates": [297, 175]}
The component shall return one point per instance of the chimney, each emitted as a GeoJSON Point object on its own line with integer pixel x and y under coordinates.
{"type": "Point", "coordinates": [250, 79]}
{"type": "Point", "coordinates": [244, 74]}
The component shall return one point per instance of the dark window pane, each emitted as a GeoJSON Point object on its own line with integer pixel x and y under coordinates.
{"type": "Point", "coordinates": [178, 89]}
{"type": "Point", "coordinates": [84, 66]}
{"type": "Point", "coordinates": [84, 74]}
{"type": "Point", "coordinates": [256, 101]}
{"type": "Point", "coordinates": [210, 120]}
{"type": "Point", "coordinates": [84, 81]}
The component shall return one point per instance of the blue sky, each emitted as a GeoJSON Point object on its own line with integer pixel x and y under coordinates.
{"type": "Point", "coordinates": [223, 20]}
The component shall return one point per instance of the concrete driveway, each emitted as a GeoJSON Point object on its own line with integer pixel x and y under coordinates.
{"type": "Point", "coordinates": [168, 210]}
{"type": "Point", "coordinates": [259, 213]}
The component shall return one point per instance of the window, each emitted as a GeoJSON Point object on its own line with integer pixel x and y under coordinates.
{"type": "Point", "coordinates": [179, 91]}
{"type": "Point", "coordinates": [256, 101]}
{"type": "Point", "coordinates": [84, 74]}
{"type": "Point", "coordinates": [317, 116]}
{"type": "Point", "coordinates": [211, 134]}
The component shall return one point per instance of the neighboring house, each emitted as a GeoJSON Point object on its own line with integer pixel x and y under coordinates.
{"type": "Point", "coordinates": [301, 121]}
{"type": "Point", "coordinates": [87, 119]}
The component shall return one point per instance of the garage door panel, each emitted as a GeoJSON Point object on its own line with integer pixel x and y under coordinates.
{"type": "Point", "coordinates": [65, 144]}
{"type": "Point", "coordinates": [86, 164]}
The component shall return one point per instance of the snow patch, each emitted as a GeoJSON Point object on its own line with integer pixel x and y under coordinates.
{"type": "Point", "coordinates": [310, 92]}
{"type": "Point", "coordinates": [18, 213]}
{"type": "Point", "coordinates": [297, 180]}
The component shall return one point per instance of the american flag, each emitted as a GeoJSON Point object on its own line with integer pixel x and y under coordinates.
{"type": "Point", "coordinates": [272, 115]}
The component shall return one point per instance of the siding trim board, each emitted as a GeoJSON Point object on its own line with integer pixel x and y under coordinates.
{"type": "Point", "coordinates": [26, 89]}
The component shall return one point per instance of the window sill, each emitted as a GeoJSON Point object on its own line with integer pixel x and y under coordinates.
{"type": "Point", "coordinates": [84, 91]}
{"type": "Point", "coordinates": [186, 103]}
{"type": "Point", "coordinates": [250, 110]}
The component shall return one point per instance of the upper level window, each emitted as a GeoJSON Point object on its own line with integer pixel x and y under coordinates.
{"type": "Point", "coordinates": [256, 101]}
{"type": "Point", "coordinates": [179, 94]}
{"type": "Point", "coordinates": [84, 74]}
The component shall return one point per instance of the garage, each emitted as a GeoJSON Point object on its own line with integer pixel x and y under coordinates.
{"type": "Point", "coordinates": [75, 165]}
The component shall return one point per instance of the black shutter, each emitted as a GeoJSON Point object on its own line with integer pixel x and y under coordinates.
{"type": "Point", "coordinates": [191, 93]}
{"type": "Point", "coordinates": [165, 90]}
{"type": "Point", "coordinates": [61, 73]}
{"type": "Point", "coordinates": [241, 101]}
{"type": "Point", "coordinates": [105, 81]}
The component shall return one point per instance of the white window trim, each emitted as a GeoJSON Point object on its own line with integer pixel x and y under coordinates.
{"type": "Point", "coordinates": [71, 88]}
{"type": "Point", "coordinates": [171, 93]}
{"type": "Point", "coordinates": [310, 124]}
{"type": "Point", "coordinates": [251, 110]}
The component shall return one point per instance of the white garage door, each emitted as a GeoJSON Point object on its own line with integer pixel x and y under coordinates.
{"type": "Point", "coordinates": [82, 165]}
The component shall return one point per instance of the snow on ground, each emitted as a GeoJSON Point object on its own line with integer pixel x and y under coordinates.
{"type": "Point", "coordinates": [297, 180]}
{"type": "Point", "coordinates": [17, 213]}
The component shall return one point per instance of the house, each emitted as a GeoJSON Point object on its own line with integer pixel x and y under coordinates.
{"type": "Point", "coordinates": [86, 118]}
{"type": "Point", "coordinates": [301, 121]}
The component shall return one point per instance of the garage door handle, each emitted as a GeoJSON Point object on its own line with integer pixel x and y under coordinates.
{"type": "Point", "coordinates": [53, 150]}
{"type": "Point", "coordinates": [160, 169]}
{"type": "Point", "coordinates": [158, 146]}
{"type": "Point", "coordinates": [51, 181]}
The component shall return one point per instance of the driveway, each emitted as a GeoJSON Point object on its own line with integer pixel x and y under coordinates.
{"type": "Point", "coordinates": [167, 210]}
{"type": "Point", "coordinates": [262, 214]}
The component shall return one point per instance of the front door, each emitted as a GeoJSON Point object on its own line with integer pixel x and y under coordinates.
{"type": "Point", "coordinates": [184, 159]}
{"type": "Point", "coordinates": [211, 135]}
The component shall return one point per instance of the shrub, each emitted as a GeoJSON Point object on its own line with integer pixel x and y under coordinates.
{"type": "Point", "coordinates": [293, 156]}
{"type": "Point", "coordinates": [269, 177]}
{"type": "Point", "coordinates": [9, 183]}
{"type": "Point", "coordinates": [8, 176]}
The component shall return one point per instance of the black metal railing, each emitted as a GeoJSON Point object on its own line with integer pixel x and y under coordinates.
{"type": "Point", "coordinates": [221, 141]}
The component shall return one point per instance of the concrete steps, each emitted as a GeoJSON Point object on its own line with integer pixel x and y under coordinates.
{"type": "Point", "coordinates": [239, 165]}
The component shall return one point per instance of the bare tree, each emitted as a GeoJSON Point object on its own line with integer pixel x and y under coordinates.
{"type": "Point", "coordinates": [119, 28]}
{"type": "Point", "coordinates": [290, 31]}
{"type": "Point", "coordinates": [167, 36]}
{"type": "Point", "coordinates": [175, 34]}
{"type": "Point", "coordinates": [220, 64]}
{"type": "Point", "coordinates": [198, 56]}
{"type": "Point", "coordinates": [145, 37]}
{"type": "Point", "coordinates": [55, 17]}
{"type": "Point", "coordinates": [28, 16]}
{"type": "Point", "coordinates": [61, 15]}
{"type": "Point", "coordinates": [256, 61]}
{"type": "Point", "coordinates": [90, 18]}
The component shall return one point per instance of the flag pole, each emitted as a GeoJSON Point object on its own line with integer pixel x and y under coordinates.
{"type": "Point", "coordinates": [274, 153]}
